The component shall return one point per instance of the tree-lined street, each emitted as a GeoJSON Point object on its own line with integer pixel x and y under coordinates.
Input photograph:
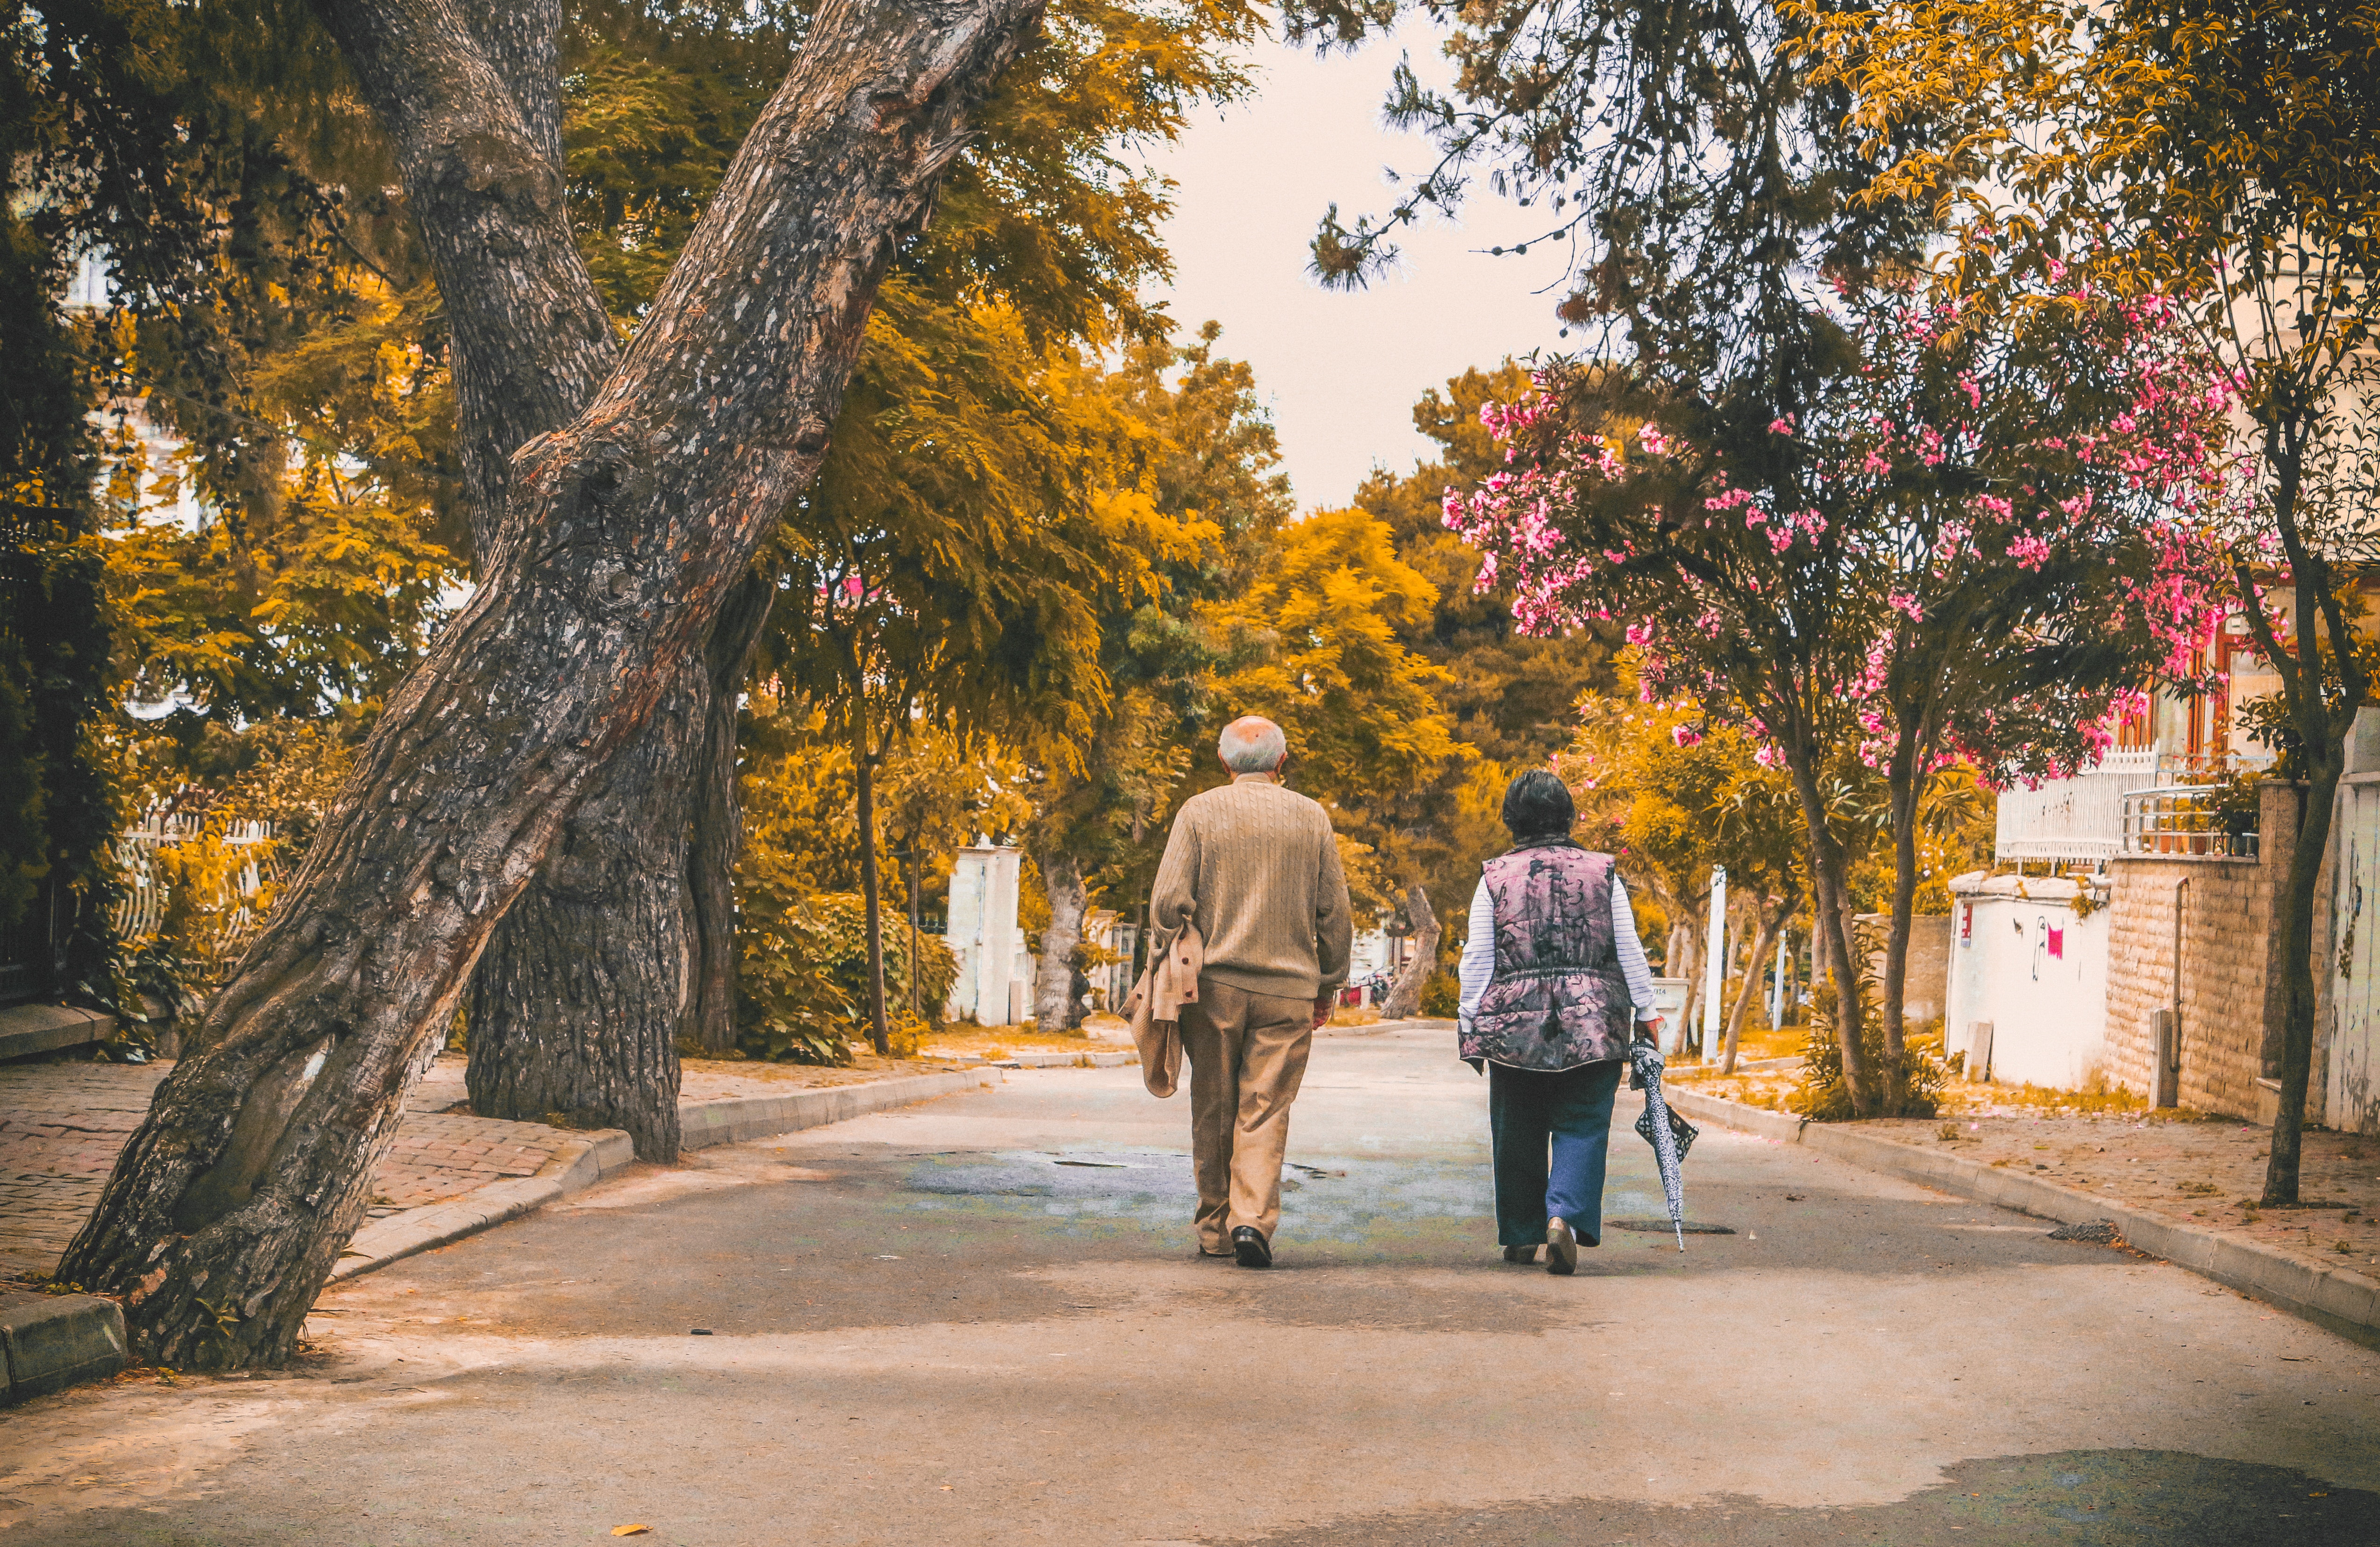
{"type": "Point", "coordinates": [609, 608]}
{"type": "Point", "coordinates": [979, 1320]}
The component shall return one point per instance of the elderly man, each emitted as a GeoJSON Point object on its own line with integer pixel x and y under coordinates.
{"type": "Point", "coordinates": [1256, 867]}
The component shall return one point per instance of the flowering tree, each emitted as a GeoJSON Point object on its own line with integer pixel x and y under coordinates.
{"type": "Point", "coordinates": [2231, 144]}
{"type": "Point", "coordinates": [1967, 536]}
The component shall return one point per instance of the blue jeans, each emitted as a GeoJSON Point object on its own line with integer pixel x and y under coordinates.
{"type": "Point", "coordinates": [1530, 1112]}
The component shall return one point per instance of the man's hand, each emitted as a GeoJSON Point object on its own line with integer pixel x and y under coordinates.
{"type": "Point", "coordinates": [1321, 1009]}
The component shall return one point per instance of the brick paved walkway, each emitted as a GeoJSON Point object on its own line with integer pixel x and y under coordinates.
{"type": "Point", "coordinates": [62, 1125]}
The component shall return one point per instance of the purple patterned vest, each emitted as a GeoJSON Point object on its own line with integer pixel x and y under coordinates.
{"type": "Point", "coordinates": [1558, 1000]}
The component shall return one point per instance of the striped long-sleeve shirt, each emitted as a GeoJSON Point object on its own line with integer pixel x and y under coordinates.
{"type": "Point", "coordinates": [1477, 969]}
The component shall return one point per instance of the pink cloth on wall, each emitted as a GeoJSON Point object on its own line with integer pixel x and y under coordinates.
{"type": "Point", "coordinates": [2057, 943]}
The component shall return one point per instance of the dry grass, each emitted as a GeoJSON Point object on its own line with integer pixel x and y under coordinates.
{"type": "Point", "coordinates": [998, 1042]}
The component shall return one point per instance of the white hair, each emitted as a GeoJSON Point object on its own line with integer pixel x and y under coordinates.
{"type": "Point", "coordinates": [1252, 744]}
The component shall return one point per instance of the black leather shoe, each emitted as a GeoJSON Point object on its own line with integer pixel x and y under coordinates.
{"type": "Point", "coordinates": [1248, 1244]}
{"type": "Point", "coordinates": [1520, 1254]}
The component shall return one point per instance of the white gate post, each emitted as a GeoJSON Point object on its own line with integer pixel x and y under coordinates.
{"type": "Point", "coordinates": [1714, 965]}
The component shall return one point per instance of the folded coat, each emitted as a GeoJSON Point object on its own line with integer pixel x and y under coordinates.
{"type": "Point", "coordinates": [1155, 1011]}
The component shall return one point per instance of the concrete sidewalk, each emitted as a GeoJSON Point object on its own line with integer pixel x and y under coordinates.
{"type": "Point", "coordinates": [2180, 1189]}
{"type": "Point", "coordinates": [448, 1173]}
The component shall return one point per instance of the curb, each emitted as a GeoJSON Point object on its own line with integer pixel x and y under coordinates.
{"type": "Point", "coordinates": [585, 1159]}
{"type": "Point", "coordinates": [27, 1029]}
{"type": "Point", "coordinates": [578, 1164]}
{"type": "Point", "coordinates": [56, 1341]}
{"type": "Point", "coordinates": [733, 1119]}
{"type": "Point", "coordinates": [2336, 1299]}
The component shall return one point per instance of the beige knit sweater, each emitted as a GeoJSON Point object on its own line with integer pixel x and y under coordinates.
{"type": "Point", "coordinates": [1256, 866]}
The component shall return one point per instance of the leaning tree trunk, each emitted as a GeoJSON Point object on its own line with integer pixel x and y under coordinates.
{"type": "Point", "coordinates": [1905, 783]}
{"type": "Point", "coordinates": [1771, 925]}
{"type": "Point", "coordinates": [1404, 995]}
{"type": "Point", "coordinates": [1054, 982]}
{"type": "Point", "coordinates": [572, 1007]}
{"type": "Point", "coordinates": [623, 535]}
{"type": "Point", "coordinates": [575, 1005]}
{"type": "Point", "coordinates": [532, 344]}
{"type": "Point", "coordinates": [1830, 923]}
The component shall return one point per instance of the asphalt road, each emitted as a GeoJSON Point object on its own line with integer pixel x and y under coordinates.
{"type": "Point", "coordinates": [982, 1321]}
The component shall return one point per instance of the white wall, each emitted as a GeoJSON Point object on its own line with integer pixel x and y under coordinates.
{"type": "Point", "coordinates": [2049, 1011]}
{"type": "Point", "coordinates": [995, 974]}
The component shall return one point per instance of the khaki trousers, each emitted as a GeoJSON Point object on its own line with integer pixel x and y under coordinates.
{"type": "Point", "coordinates": [1247, 1057]}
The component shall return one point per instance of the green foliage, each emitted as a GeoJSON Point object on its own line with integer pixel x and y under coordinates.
{"type": "Point", "coordinates": [789, 1006]}
{"type": "Point", "coordinates": [56, 856]}
{"type": "Point", "coordinates": [801, 987]}
{"type": "Point", "coordinates": [255, 797]}
{"type": "Point", "coordinates": [1441, 994]}
{"type": "Point", "coordinates": [1511, 695]}
{"type": "Point", "coordinates": [1675, 147]}
{"type": "Point", "coordinates": [24, 837]}
{"type": "Point", "coordinates": [804, 978]}
{"type": "Point", "coordinates": [1824, 1096]}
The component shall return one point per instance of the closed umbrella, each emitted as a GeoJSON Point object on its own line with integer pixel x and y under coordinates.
{"type": "Point", "coordinates": [1670, 1134]}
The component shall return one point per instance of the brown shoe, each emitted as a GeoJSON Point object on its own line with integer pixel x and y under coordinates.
{"type": "Point", "coordinates": [1561, 1246]}
{"type": "Point", "coordinates": [1520, 1254]}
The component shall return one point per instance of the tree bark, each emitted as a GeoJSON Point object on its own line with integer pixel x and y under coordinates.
{"type": "Point", "coordinates": [1054, 982]}
{"type": "Point", "coordinates": [1771, 925]}
{"type": "Point", "coordinates": [572, 1014]}
{"type": "Point", "coordinates": [576, 1003]}
{"type": "Point", "coordinates": [624, 534]}
{"type": "Point", "coordinates": [1904, 782]}
{"type": "Point", "coordinates": [471, 106]}
{"type": "Point", "coordinates": [622, 949]}
{"type": "Point", "coordinates": [1829, 924]}
{"type": "Point", "coordinates": [2323, 727]}
{"type": "Point", "coordinates": [1404, 995]}
{"type": "Point", "coordinates": [718, 825]}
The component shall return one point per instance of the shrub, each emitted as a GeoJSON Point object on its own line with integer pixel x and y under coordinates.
{"type": "Point", "coordinates": [1441, 994]}
{"type": "Point", "coordinates": [1824, 1096]}
{"type": "Point", "coordinates": [802, 991]}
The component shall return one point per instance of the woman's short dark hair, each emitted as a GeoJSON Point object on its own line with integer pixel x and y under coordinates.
{"type": "Point", "coordinates": [1537, 805]}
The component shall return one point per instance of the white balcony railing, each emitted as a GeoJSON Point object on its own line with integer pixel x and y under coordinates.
{"type": "Point", "coordinates": [2079, 819]}
{"type": "Point", "coordinates": [2183, 821]}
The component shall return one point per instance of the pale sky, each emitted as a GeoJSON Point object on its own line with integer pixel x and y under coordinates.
{"type": "Point", "coordinates": [1341, 371]}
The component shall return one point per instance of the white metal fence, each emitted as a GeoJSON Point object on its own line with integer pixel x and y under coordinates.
{"type": "Point", "coordinates": [146, 891]}
{"type": "Point", "coordinates": [2079, 818]}
{"type": "Point", "coordinates": [2183, 821]}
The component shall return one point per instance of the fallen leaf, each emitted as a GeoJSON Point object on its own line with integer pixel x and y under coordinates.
{"type": "Point", "coordinates": [631, 1531]}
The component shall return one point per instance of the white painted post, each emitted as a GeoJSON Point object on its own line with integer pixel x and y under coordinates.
{"type": "Point", "coordinates": [1776, 959]}
{"type": "Point", "coordinates": [983, 933]}
{"type": "Point", "coordinates": [1714, 965]}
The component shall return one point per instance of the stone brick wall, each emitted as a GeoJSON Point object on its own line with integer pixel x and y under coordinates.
{"type": "Point", "coordinates": [2227, 954]}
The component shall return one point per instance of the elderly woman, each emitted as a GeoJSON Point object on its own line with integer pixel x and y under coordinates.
{"type": "Point", "coordinates": [1554, 984]}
